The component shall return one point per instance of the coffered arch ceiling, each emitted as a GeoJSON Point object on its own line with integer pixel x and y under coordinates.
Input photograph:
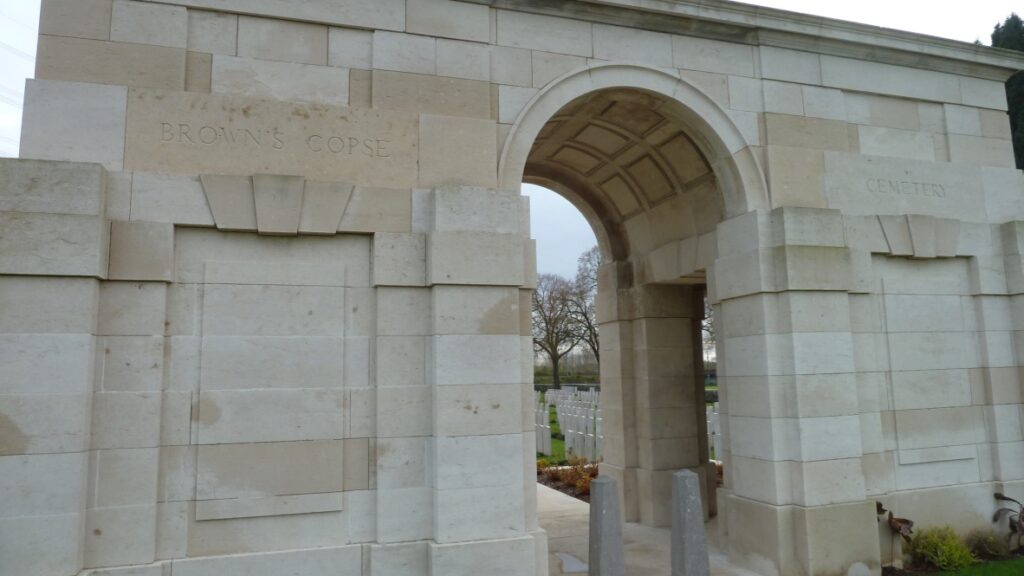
{"type": "Point", "coordinates": [622, 153]}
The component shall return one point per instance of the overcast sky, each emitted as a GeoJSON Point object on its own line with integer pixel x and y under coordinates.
{"type": "Point", "coordinates": [561, 233]}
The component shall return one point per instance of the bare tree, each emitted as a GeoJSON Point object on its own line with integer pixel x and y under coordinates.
{"type": "Point", "coordinates": [554, 332]}
{"type": "Point", "coordinates": [584, 300]}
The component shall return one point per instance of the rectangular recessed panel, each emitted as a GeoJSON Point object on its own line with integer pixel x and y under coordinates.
{"type": "Point", "coordinates": [684, 158]}
{"type": "Point", "coordinates": [601, 139]}
{"type": "Point", "coordinates": [576, 159]}
{"type": "Point", "coordinates": [621, 195]}
{"type": "Point", "coordinates": [653, 183]}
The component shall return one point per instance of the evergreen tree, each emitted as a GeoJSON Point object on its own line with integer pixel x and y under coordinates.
{"type": "Point", "coordinates": [1010, 35]}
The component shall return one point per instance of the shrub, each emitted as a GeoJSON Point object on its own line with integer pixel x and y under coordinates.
{"type": "Point", "coordinates": [941, 548]}
{"type": "Point", "coordinates": [543, 463]}
{"type": "Point", "coordinates": [710, 396]}
{"type": "Point", "coordinates": [988, 544]}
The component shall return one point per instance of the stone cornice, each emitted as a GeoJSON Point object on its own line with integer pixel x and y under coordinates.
{"type": "Point", "coordinates": [757, 25]}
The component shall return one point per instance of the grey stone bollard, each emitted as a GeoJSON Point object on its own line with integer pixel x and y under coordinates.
{"type": "Point", "coordinates": [689, 541]}
{"type": "Point", "coordinates": [606, 555]}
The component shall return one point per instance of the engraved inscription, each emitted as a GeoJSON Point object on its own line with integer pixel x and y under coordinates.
{"type": "Point", "coordinates": [222, 134]}
{"type": "Point", "coordinates": [905, 188]}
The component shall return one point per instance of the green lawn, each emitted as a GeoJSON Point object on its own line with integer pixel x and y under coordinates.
{"type": "Point", "coordinates": [557, 456]}
{"type": "Point", "coordinates": [1005, 568]}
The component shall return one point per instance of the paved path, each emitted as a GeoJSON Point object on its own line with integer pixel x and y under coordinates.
{"type": "Point", "coordinates": [567, 522]}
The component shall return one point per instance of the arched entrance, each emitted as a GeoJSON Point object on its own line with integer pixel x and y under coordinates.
{"type": "Point", "coordinates": [654, 165]}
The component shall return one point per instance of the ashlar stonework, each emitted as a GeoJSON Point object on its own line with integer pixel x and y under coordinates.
{"type": "Point", "coordinates": [265, 274]}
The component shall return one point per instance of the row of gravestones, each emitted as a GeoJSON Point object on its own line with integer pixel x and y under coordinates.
{"type": "Point", "coordinates": [579, 417]}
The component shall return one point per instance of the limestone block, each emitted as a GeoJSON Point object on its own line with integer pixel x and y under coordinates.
{"type": "Point", "coordinates": [130, 308]}
{"type": "Point", "coordinates": [119, 196]}
{"type": "Point", "coordinates": [404, 411]}
{"type": "Point", "coordinates": [172, 198]}
{"type": "Point", "coordinates": [621, 43]}
{"type": "Point", "coordinates": [1002, 193]}
{"type": "Point", "coordinates": [100, 62]}
{"type": "Point", "coordinates": [475, 310]}
{"type": "Point", "coordinates": [383, 14]}
{"type": "Point", "coordinates": [463, 60]}
{"type": "Point", "coordinates": [361, 510]}
{"type": "Point", "coordinates": [282, 40]}
{"type": "Point", "coordinates": [447, 19]}
{"type": "Point", "coordinates": [404, 515]}
{"type": "Point", "coordinates": [824, 103]}
{"type": "Point", "coordinates": [124, 477]}
{"type": "Point", "coordinates": [884, 111]}
{"type": "Point", "coordinates": [803, 132]}
{"type": "Point", "coordinates": [240, 363]}
{"type": "Point", "coordinates": [547, 33]}
{"type": "Point", "coordinates": [404, 52]}
{"type": "Point", "coordinates": [431, 94]}
{"type": "Point", "coordinates": [796, 176]}
{"type": "Point", "coordinates": [922, 313]}
{"type": "Point", "coordinates": [253, 475]}
{"type": "Point", "coordinates": [807, 226]}
{"type": "Point", "coordinates": [511, 556]}
{"type": "Point", "coordinates": [231, 201]}
{"type": "Point", "coordinates": [511, 101]}
{"type": "Point", "coordinates": [278, 202]}
{"type": "Point", "coordinates": [712, 56]}
{"type": "Point", "coordinates": [477, 461]}
{"type": "Point", "coordinates": [40, 305]}
{"type": "Point", "coordinates": [198, 72]}
{"type": "Point", "coordinates": [360, 405]}
{"type": "Point", "coordinates": [947, 237]}
{"type": "Point", "coordinates": [357, 464]}
{"type": "Point", "coordinates": [399, 560]}
{"type": "Point", "coordinates": [212, 32]}
{"type": "Point", "coordinates": [270, 415]}
{"type": "Point", "coordinates": [43, 485]}
{"type": "Point", "coordinates": [980, 151]}
{"type": "Point", "coordinates": [477, 409]}
{"type": "Point", "coordinates": [401, 360]}
{"type": "Point", "coordinates": [469, 513]}
{"type": "Point", "coordinates": [313, 561]}
{"type": "Point", "coordinates": [790, 65]}
{"type": "Point", "coordinates": [476, 209]}
{"type": "Point", "coordinates": [511, 66]}
{"type": "Point", "coordinates": [748, 94]}
{"type": "Point", "coordinates": [132, 363]}
{"type": "Point", "coordinates": [403, 463]}
{"type": "Point", "coordinates": [96, 134]}
{"type": "Point", "coordinates": [475, 258]}
{"type": "Point", "coordinates": [896, 143]}
{"type": "Point", "coordinates": [141, 251]}
{"type": "Point", "coordinates": [877, 78]}
{"type": "Point", "coordinates": [548, 66]}
{"type": "Point", "coordinates": [323, 204]}
{"type": "Point", "coordinates": [457, 151]}
{"type": "Point", "coordinates": [994, 124]}
{"type": "Point", "coordinates": [279, 80]}
{"type": "Point", "coordinates": [476, 359]}
{"type": "Point", "coordinates": [53, 244]}
{"type": "Point", "coordinates": [962, 120]}
{"type": "Point", "coordinates": [176, 418]}
{"type": "Point", "coordinates": [51, 187]}
{"type": "Point", "coordinates": [350, 48]}
{"type": "Point", "coordinates": [813, 267]}
{"type": "Point", "coordinates": [403, 312]}
{"type": "Point", "coordinates": [148, 570]}
{"type": "Point", "coordinates": [148, 23]}
{"type": "Point", "coordinates": [897, 235]}
{"type": "Point", "coordinates": [79, 19]}
{"type": "Point", "coordinates": [377, 210]}
{"type": "Point", "coordinates": [42, 544]}
{"type": "Point", "coordinates": [922, 235]}
{"type": "Point", "coordinates": [983, 93]}
{"type": "Point", "coordinates": [399, 259]}
{"type": "Point", "coordinates": [125, 420]}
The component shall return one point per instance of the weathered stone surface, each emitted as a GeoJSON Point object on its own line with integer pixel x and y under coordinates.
{"type": "Point", "coordinates": [606, 554]}
{"type": "Point", "coordinates": [141, 251]}
{"type": "Point", "coordinates": [212, 134]}
{"type": "Point", "coordinates": [689, 542]}
{"type": "Point", "coordinates": [278, 203]}
{"type": "Point", "coordinates": [279, 80]}
{"type": "Point", "coordinates": [94, 135]}
{"type": "Point", "coordinates": [282, 40]}
{"type": "Point", "coordinates": [146, 23]}
{"type": "Point", "coordinates": [96, 61]}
